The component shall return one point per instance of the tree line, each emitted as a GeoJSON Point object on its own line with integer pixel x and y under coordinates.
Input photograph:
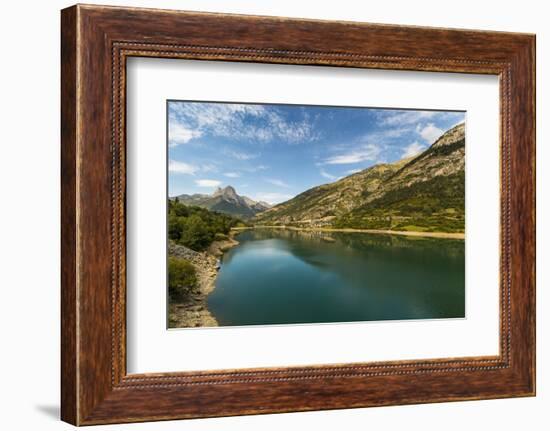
{"type": "Point", "coordinates": [195, 227]}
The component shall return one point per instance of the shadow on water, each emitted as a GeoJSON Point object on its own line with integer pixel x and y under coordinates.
{"type": "Point", "coordinates": [278, 276]}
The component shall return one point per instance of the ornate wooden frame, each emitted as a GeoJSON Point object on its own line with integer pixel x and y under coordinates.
{"type": "Point", "coordinates": [95, 43]}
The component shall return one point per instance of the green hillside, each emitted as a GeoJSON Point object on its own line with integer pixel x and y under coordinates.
{"type": "Point", "coordinates": [195, 227]}
{"type": "Point", "coordinates": [436, 205]}
{"type": "Point", "coordinates": [424, 193]}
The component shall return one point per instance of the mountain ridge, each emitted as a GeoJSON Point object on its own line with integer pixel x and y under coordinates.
{"type": "Point", "coordinates": [225, 200]}
{"type": "Point", "coordinates": [424, 193]}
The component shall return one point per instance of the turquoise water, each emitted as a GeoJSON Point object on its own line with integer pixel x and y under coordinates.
{"type": "Point", "coordinates": [279, 276]}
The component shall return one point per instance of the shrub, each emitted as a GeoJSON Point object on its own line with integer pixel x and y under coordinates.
{"type": "Point", "coordinates": [182, 277]}
{"type": "Point", "coordinates": [195, 233]}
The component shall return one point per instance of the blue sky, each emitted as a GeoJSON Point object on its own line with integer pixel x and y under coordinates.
{"type": "Point", "coordinates": [274, 152]}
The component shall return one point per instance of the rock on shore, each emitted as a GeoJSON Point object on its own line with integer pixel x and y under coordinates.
{"type": "Point", "coordinates": [193, 312]}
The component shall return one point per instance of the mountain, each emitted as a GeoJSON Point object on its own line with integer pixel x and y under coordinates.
{"type": "Point", "coordinates": [422, 193]}
{"type": "Point", "coordinates": [226, 201]}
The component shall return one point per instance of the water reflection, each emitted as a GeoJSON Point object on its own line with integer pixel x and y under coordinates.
{"type": "Point", "coordinates": [278, 276]}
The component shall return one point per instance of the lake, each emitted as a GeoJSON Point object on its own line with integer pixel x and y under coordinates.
{"type": "Point", "coordinates": [279, 276]}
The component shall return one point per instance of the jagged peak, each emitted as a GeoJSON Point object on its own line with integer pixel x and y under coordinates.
{"type": "Point", "coordinates": [227, 191]}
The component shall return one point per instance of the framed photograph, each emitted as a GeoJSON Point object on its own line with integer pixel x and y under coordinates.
{"type": "Point", "coordinates": [266, 215]}
{"type": "Point", "coordinates": [347, 202]}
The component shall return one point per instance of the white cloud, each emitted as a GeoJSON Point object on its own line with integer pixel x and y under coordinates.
{"type": "Point", "coordinates": [292, 132]}
{"type": "Point", "coordinates": [232, 174]}
{"type": "Point", "coordinates": [429, 132]}
{"type": "Point", "coordinates": [402, 118]}
{"type": "Point", "coordinates": [327, 175]}
{"type": "Point", "coordinates": [208, 183]}
{"type": "Point", "coordinates": [353, 171]}
{"type": "Point", "coordinates": [276, 182]}
{"type": "Point", "coordinates": [413, 149]}
{"type": "Point", "coordinates": [182, 168]}
{"type": "Point", "coordinates": [178, 167]}
{"type": "Point", "coordinates": [179, 134]}
{"type": "Point", "coordinates": [272, 198]}
{"type": "Point", "coordinates": [260, 123]}
{"type": "Point", "coordinates": [362, 154]}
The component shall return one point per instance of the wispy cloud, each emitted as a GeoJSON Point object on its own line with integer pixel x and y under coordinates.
{"type": "Point", "coordinates": [182, 168]}
{"type": "Point", "coordinates": [177, 167]}
{"type": "Point", "coordinates": [221, 144]}
{"type": "Point", "coordinates": [208, 183]}
{"type": "Point", "coordinates": [276, 182]}
{"type": "Point", "coordinates": [366, 147]}
{"type": "Point", "coordinates": [272, 198]}
{"type": "Point", "coordinates": [240, 155]}
{"type": "Point", "coordinates": [377, 137]}
{"type": "Point", "coordinates": [385, 135]}
{"type": "Point", "coordinates": [261, 123]}
{"type": "Point", "coordinates": [422, 123]}
{"type": "Point", "coordinates": [179, 134]}
{"type": "Point", "coordinates": [209, 167]}
{"type": "Point", "coordinates": [429, 132]}
{"type": "Point", "coordinates": [290, 131]}
{"type": "Point", "coordinates": [256, 168]}
{"type": "Point", "coordinates": [413, 149]}
{"type": "Point", "coordinates": [403, 118]}
{"type": "Point", "coordinates": [325, 174]}
{"type": "Point", "coordinates": [367, 152]}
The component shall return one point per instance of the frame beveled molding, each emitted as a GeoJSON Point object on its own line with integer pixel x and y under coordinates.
{"type": "Point", "coordinates": [96, 41]}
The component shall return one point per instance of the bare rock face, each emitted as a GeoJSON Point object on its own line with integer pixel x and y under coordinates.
{"type": "Point", "coordinates": [229, 194]}
{"type": "Point", "coordinates": [451, 136]}
{"type": "Point", "coordinates": [183, 252]}
{"type": "Point", "coordinates": [226, 200]}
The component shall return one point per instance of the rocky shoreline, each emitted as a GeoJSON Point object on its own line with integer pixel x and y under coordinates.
{"type": "Point", "coordinates": [193, 312]}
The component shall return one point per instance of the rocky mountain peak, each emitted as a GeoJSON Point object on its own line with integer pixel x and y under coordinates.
{"type": "Point", "coordinates": [227, 192]}
{"type": "Point", "coordinates": [226, 200]}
